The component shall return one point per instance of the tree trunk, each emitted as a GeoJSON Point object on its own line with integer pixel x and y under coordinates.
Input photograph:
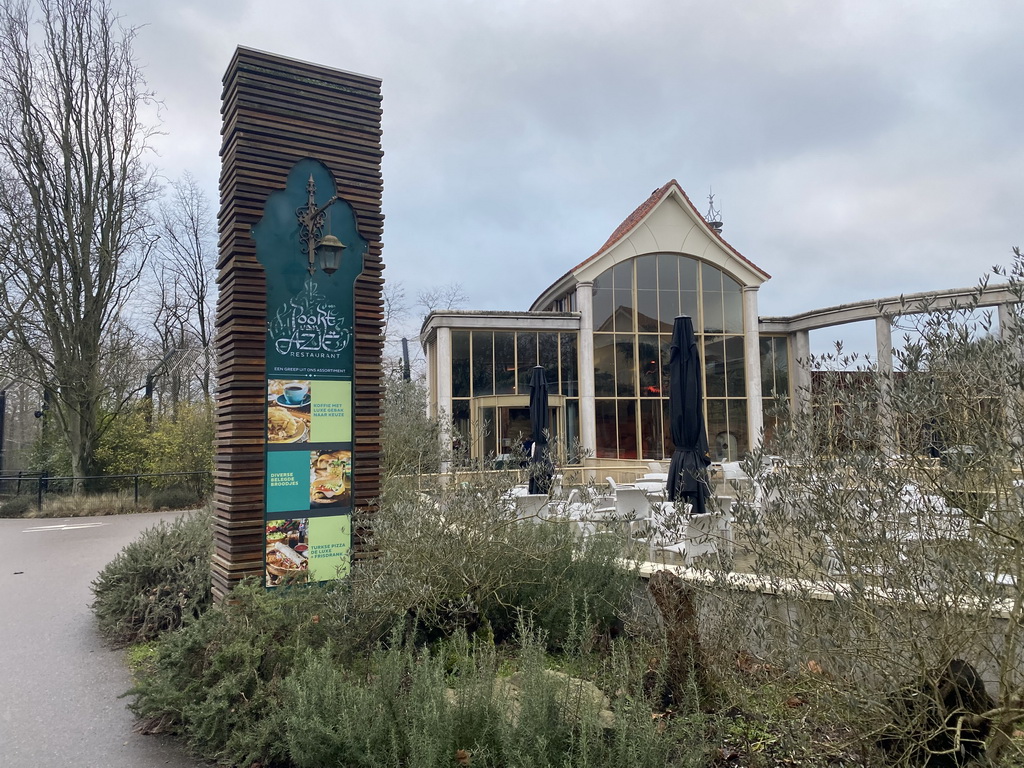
{"type": "Point", "coordinates": [687, 668]}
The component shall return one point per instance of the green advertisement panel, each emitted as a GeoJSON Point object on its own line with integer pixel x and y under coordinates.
{"type": "Point", "coordinates": [310, 361]}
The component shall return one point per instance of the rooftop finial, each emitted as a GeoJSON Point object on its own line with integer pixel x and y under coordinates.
{"type": "Point", "coordinates": [714, 216]}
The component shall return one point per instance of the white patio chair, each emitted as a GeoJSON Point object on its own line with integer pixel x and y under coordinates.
{"type": "Point", "coordinates": [507, 500]}
{"type": "Point", "coordinates": [579, 506]}
{"type": "Point", "coordinates": [602, 507]}
{"type": "Point", "coordinates": [929, 517]}
{"type": "Point", "coordinates": [702, 536]}
{"type": "Point", "coordinates": [831, 562]}
{"type": "Point", "coordinates": [667, 525]}
{"type": "Point", "coordinates": [703, 533]}
{"type": "Point", "coordinates": [723, 508]}
{"type": "Point", "coordinates": [733, 470]}
{"type": "Point", "coordinates": [631, 504]}
{"type": "Point", "coordinates": [652, 486]}
{"type": "Point", "coordinates": [531, 506]}
{"type": "Point", "coordinates": [556, 484]}
{"type": "Point", "coordinates": [634, 512]}
{"type": "Point", "coordinates": [562, 509]}
{"type": "Point", "coordinates": [613, 486]}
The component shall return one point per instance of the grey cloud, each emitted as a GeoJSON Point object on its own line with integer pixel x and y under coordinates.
{"type": "Point", "coordinates": [860, 148]}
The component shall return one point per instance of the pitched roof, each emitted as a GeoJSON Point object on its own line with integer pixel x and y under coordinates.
{"type": "Point", "coordinates": [636, 217]}
{"type": "Point", "coordinates": [632, 220]}
{"type": "Point", "coordinates": [631, 224]}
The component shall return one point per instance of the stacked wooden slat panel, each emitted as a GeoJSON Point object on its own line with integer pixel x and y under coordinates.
{"type": "Point", "coordinates": [275, 112]}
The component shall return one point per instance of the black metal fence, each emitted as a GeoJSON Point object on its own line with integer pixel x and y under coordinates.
{"type": "Point", "coordinates": [140, 486]}
{"type": "Point", "coordinates": [17, 483]}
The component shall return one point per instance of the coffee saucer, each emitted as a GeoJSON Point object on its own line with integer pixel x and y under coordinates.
{"type": "Point", "coordinates": [285, 404]}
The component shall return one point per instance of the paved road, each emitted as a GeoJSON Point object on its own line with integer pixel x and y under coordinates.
{"type": "Point", "coordinates": [59, 683]}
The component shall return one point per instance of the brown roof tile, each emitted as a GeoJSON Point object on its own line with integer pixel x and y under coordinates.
{"type": "Point", "coordinates": [640, 214]}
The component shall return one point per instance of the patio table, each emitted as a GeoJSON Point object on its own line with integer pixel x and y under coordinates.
{"type": "Point", "coordinates": [651, 487]}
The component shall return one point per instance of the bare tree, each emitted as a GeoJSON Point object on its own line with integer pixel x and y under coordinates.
{"type": "Point", "coordinates": [75, 191]}
{"type": "Point", "coordinates": [396, 306]}
{"type": "Point", "coordinates": [442, 297]}
{"type": "Point", "coordinates": [182, 307]}
{"type": "Point", "coordinates": [396, 323]}
{"type": "Point", "coordinates": [404, 320]}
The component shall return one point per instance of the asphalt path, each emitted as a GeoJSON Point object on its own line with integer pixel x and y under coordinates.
{"type": "Point", "coordinates": [59, 682]}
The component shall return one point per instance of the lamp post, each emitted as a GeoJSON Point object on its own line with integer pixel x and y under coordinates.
{"type": "Point", "coordinates": [311, 225]}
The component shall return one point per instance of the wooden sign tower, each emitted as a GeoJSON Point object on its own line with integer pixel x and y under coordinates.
{"type": "Point", "coordinates": [281, 115]}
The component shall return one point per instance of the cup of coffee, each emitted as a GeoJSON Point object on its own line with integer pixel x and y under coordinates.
{"type": "Point", "coordinates": [294, 394]}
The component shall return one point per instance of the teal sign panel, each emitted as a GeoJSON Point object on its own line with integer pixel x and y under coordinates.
{"type": "Point", "coordinates": [310, 391]}
{"type": "Point", "coordinates": [309, 317]}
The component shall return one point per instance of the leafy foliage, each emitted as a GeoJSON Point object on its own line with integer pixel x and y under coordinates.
{"type": "Point", "coordinates": [140, 442]}
{"type": "Point", "coordinates": [184, 443]}
{"type": "Point", "coordinates": [270, 677]}
{"type": "Point", "coordinates": [219, 680]}
{"type": "Point", "coordinates": [158, 583]}
{"type": "Point", "coordinates": [458, 558]}
{"type": "Point", "coordinates": [123, 449]}
{"type": "Point", "coordinates": [409, 437]}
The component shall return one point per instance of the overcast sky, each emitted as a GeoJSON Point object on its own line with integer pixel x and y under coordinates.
{"type": "Point", "coordinates": [856, 149]}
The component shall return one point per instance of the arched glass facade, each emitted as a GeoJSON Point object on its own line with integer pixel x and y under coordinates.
{"type": "Point", "coordinates": [635, 303]}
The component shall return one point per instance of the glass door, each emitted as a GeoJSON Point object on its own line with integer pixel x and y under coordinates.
{"type": "Point", "coordinates": [505, 429]}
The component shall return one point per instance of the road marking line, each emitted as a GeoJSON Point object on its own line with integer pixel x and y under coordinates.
{"type": "Point", "coordinates": [62, 527]}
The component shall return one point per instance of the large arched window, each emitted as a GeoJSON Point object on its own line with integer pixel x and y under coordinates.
{"type": "Point", "coordinates": [635, 303]}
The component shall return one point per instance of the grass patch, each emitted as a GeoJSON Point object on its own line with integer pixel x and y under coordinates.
{"type": "Point", "coordinates": [174, 497]}
{"type": "Point", "coordinates": [108, 503]}
{"type": "Point", "coordinates": [87, 505]}
{"type": "Point", "coordinates": [140, 658]}
{"type": "Point", "coordinates": [18, 506]}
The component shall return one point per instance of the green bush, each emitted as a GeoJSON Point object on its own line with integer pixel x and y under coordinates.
{"type": "Point", "coordinates": [409, 437]}
{"type": "Point", "coordinates": [140, 441]}
{"type": "Point", "coordinates": [305, 676]}
{"type": "Point", "coordinates": [396, 715]}
{"type": "Point", "coordinates": [423, 708]}
{"type": "Point", "coordinates": [218, 681]}
{"type": "Point", "coordinates": [19, 506]}
{"type": "Point", "coordinates": [274, 678]}
{"type": "Point", "coordinates": [459, 559]}
{"type": "Point", "coordinates": [157, 583]}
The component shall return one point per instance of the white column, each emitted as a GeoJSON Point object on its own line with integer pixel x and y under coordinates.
{"type": "Point", "coordinates": [800, 367]}
{"type": "Point", "coordinates": [443, 372]}
{"type": "Point", "coordinates": [431, 373]}
{"type": "Point", "coordinates": [752, 363]}
{"type": "Point", "coordinates": [588, 411]}
{"type": "Point", "coordinates": [886, 424]}
{"type": "Point", "coordinates": [1007, 319]}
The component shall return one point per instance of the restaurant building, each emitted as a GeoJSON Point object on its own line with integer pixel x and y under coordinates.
{"type": "Point", "coordinates": [602, 332]}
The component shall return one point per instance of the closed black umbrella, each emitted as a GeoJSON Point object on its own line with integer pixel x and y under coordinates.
{"type": "Point", "coordinates": [541, 470]}
{"type": "Point", "coordinates": [687, 473]}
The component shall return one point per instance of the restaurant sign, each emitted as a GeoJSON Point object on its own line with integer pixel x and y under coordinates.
{"type": "Point", "coordinates": [310, 399]}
